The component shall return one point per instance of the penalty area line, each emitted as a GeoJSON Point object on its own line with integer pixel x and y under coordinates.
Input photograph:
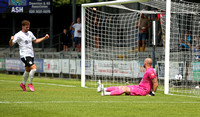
{"type": "Point", "coordinates": [184, 95]}
{"type": "Point", "coordinates": [59, 102]}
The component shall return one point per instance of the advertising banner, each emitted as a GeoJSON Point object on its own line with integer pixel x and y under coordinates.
{"type": "Point", "coordinates": [18, 65]}
{"type": "Point", "coordinates": [123, 68]}
{"type": "Point", "coordinates": [138, 69]}
{"type": "Point", "coordinates": [103, 67]}
{"type": "Point", "coordinates": [26, 6]}
{"type": "Point", "coordinates": [88, 67]}
{"type": "Point", "coordinates": [2, 64]}
{"type": "Point", "coordinates": [52, 66]}
{"type": "Point", "coordinates": [65, 66]}
{"type": "Point", "coordinates": [39, 65]}
{"type": "Point", "coordinates": [78, 66]}
{"type": "Point", "coordinates": [39, 6]}
{"type": "Point", "coordinates": [175, 68]}
{"type": "Point", "coordinates": [72, 66]}
{"type": "Point", "coordinates": [14, 65]}
{"type": "Point", "coordinates": [196, 71]}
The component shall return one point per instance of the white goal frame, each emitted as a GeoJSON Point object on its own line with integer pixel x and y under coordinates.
{"type": "Point", "coordinates": [118, 2]}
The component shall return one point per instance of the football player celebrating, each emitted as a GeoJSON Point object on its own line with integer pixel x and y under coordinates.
{"type": "Point", "coordinates": [148, 82]}
{"type": "Point", "coordinates": [24, 38]}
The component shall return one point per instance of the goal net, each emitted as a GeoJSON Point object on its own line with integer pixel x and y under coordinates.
{"type": "Point", "coordinates": [112, 52]}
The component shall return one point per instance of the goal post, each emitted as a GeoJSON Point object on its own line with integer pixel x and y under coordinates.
{"type": "Point", "coordinates": [113, 54]}
{"type": "Point", "coordinates": [167, 46]}
{"type": "Point", "coordinates": [83, 47]}
{"type": "Point", "coordinates": [83, 6]}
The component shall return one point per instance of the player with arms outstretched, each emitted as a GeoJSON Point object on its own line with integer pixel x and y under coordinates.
{"type": "Point", "coordinates": [148, 82]}
{"type": "Point", "coordinates": [24, 38]}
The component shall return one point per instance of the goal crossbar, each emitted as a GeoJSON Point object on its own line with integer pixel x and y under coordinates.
{"type": "Point", "coordinates": [83, 28]}
{"type": "Point", "coordinates": [110, 36]}
{"type": "Point", "coordinates": [139, 11]}
{"type": "Point", "coordinates": [112, 3]}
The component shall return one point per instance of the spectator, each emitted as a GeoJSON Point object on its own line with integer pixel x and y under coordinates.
{"type": "Point", "coordinates": [159, 29]}
{"type": "Point", "coordinates": [143, 24]}
{"type": "Point", "coordinates": [163, 39]}
{"type": "Point", "coordinates": [186, 42]}
{"type": "Point", "coordinates": [65, 39]}
{"type": "Point", "coordinates": [77, 33]}
{"type": "Point", "coordinates": [197, 53]}
{"type": "Point", "coordinates": [196, 49]}
{"type": "Point", "coordinates": [96, 31]}
{"type": "Point", "coordinates": [161, 35]}
{"type": "Point", "coordinates": [73, 39]}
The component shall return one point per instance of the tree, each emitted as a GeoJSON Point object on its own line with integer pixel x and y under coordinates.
{"type": "Point", "coordinates": [58, 3]}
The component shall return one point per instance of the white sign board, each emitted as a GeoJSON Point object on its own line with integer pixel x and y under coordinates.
{"type": "Point", "coordinates": [123, 68]}
{"type": "Point", "coordinates": [65, 65]}
{"type": "Point", "coordinates": [72, 66]}
{"type": "Point", "coordinates": [78, 66]}
{"type": "Point", "coordinates": [52, 66]}
{"type": "Point", "coordinates": [103, 67]}
{"type": "Point", "coordinates": [174, 67]}
{"type": "Point", "coordinates": [88, 67]}
{"type": "Point", "coordinates": [137, 69]}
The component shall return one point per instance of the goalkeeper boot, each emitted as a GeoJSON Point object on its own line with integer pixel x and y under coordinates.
{"type": "Point", "coordinates": [23, 86]}
{"type": "Point", "coordinates": [197, 87]}
{"type": "Point", "coordinates": [31, 87]}
{"type": "Point", "coordinates": [99, 86]}
{"type": "Point", "coordinates": [102, 90]}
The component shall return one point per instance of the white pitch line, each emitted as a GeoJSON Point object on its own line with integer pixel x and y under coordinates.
{"type": "Point", "coordinates": [55, 84]}
{"type": "Point", "coordinates": [62, 85]}
{"type": "Point", "coordinates": [184, 95]}
{"type": "Point", "coordinates": [90, 88]}
{"type": "Point", "coordinates": [58, 102]}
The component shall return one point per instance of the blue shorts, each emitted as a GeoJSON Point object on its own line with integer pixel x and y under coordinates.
{"type": "Point", "coordinates": [77, 40]}
{"type": "Point", "coordinates": [142, 36]}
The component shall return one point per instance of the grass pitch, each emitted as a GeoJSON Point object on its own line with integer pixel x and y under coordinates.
{"type": "Point", "coordinates": [65, 98]}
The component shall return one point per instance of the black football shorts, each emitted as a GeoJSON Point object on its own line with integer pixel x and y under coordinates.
{"type": "Point", "coordinates": [28, 61]}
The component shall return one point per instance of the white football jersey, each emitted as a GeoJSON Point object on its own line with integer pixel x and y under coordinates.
{"type": "Point", "coordinates": [24, 41]}
{"type": "Point", "coordinates": [76, 28]}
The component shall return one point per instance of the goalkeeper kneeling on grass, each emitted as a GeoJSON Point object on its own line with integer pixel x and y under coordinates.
{"type": "Point", "coordinates": [148, 82]}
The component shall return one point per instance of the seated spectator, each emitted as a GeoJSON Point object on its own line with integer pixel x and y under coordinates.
{"type": "Point", "coordinates": [195, 47]}
{"type": "Point", "coordinates": [197, 53]}
{"type": "Point", "coordinates": [186, 42]}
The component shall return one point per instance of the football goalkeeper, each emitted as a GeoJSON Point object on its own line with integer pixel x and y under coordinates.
{"type": "Point", "coordinates": [148, 82]}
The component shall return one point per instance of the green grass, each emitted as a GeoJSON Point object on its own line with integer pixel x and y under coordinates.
{"type": "Point", "coordinates": [61, 100]}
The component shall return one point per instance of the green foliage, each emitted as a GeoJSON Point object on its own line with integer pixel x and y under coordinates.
{"type": "Point", "coordinates": [58, 3]}
{"type": "Point", "coordinates": [68, 2]}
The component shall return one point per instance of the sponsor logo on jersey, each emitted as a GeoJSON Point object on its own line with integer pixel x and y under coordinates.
{"type": "Point", "coordinates": [153, 75]}
{"type": "Point", "coordinates": [26, 42]}
{"type": "Point", "coordinates": [30, 62]}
